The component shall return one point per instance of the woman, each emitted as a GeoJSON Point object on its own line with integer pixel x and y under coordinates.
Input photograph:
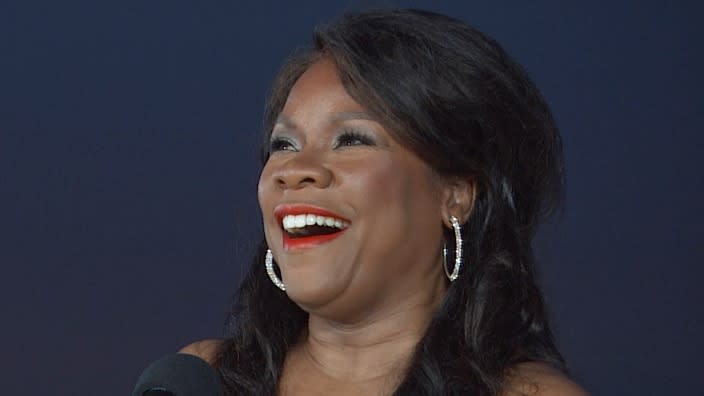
{"type": "Point", "coordinates": [407, 163]}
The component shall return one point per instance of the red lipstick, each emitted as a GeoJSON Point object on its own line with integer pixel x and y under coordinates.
{"type": "Point", "coordinates": [291, 243]}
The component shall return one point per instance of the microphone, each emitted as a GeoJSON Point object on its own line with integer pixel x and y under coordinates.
{"type": "Point", "coordinates": [178, 374]}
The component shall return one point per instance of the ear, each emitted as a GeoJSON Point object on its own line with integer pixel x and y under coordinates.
{"type": "Point", "coordinates": [458, 199]}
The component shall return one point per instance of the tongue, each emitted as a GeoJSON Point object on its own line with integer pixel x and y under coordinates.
{"type": "Point", "coordinates": [312, 230]}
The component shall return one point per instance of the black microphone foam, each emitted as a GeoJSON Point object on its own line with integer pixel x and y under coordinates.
{"type": "Point", "coordinates": [178, 374]}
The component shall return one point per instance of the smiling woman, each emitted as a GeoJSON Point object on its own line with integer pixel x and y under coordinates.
{"type": "Point", "coordinates": [354, 172]}
{"type": "Point", "coordinates": [407, 163]}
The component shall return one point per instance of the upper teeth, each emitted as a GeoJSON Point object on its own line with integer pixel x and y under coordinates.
{"type": "Point", "coordinates": [302, 220]}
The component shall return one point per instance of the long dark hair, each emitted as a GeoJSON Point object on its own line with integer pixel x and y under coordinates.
{"type": "Point", "coordinates": [454, 97]}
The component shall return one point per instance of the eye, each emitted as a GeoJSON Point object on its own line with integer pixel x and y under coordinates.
{"type": "Point", "coordinates": [280, 143]}
{"type": "Point", "coordinates": [350, 138]}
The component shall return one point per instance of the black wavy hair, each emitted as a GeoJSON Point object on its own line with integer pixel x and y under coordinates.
{"type": "Point", "coordinates": [453, 96]}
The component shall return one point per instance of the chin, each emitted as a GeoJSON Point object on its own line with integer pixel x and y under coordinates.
{"type": "Point", "coordinates": [312, 299]}
{"type": "Point", "coordinates": [312, 293]}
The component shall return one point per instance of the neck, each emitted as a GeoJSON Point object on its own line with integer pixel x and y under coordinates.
{"type": "Point", "coordinates": [381, 345]}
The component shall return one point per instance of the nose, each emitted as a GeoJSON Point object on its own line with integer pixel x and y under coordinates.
{"type": "Point", "coordinates": [302, 170]}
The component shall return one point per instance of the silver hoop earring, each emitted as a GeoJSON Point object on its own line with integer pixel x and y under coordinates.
{"type": "Point", "coordinates": [458, 251]}
{"type": "Point", "coordinates": [269, 261]}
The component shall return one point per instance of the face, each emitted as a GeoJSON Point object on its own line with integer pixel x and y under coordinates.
{"type": "Point", "coordinates": [352, 217]}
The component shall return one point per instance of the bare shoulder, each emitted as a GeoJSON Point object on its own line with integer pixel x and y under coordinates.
{"type": "Point", "coordinates": [204, 349]}
{"type": "Point", "coordinates": [539, 379]}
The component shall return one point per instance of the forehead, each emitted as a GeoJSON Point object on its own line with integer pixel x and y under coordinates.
{"type": "Point", "coordinates": [319, 88]}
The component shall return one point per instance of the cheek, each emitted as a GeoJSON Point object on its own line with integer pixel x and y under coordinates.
{"type": "Point", "coordinates": [264, 186]}
{"type": "Point", "coordinates": [266, 198]}
{"type": "Point", "coordinates": [377, 184]}
{"type": "Point", "coordinates": [409, 190]}
{"type": "Point", "coordinates": [392, 185]}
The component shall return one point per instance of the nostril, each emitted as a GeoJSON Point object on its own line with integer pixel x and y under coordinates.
{"type": "Point", "coordinates": [302, 171]}
{"type": "Point", "coordinates": [295, 181]}
{"type": "Point", "coordinates": [308, 180]}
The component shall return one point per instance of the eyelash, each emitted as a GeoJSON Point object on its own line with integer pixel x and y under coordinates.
{"type": "Point", "coordinates": [280, 144]}
{"type": "Point", "coordinates": [353, 138]}
{"type": "Point", "coordinates": [347, 138]}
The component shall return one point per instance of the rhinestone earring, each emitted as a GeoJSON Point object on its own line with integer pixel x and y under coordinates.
{"type": "Point", "coordinates": [458, 251]}
{"type": "Point", "coordinates": [269, 261]}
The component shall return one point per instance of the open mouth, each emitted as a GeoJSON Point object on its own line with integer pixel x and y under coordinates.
{"type": "Point", "coordinates": [306, 226]}
{"type": "Point", "coordinates": [312, 225]}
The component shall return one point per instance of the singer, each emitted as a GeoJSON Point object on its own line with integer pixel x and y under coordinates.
{"type": "Point", "coordinates": [407, 162]}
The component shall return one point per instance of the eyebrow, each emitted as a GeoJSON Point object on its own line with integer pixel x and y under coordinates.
{"type": "Point", "coordinates": [287, 122]}
{"type": "Point", "coordinates": [336, 117]}
{"type": "Point", "coordinates": [353, 115]}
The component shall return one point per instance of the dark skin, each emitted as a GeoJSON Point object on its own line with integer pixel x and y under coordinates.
{"type": "Point", "coordinates": [371, 292]}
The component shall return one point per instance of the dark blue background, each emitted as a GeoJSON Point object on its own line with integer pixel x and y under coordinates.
{"type": "Point", "coordinates": [128, 169]}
